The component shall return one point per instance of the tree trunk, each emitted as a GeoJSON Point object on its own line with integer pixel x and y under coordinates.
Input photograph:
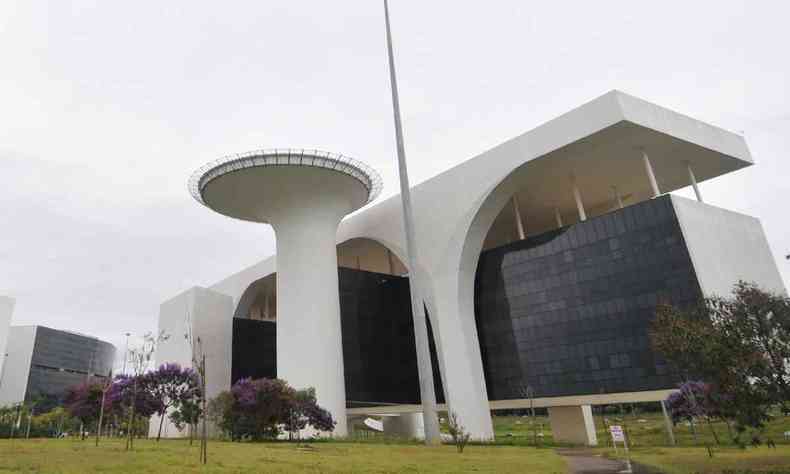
{"type": "Point", "coordinates": [29, 420]}
{"type": "Point", "coordinates": [130, 438]}
{"type": "Point", "coordinates": [101, 416]}
{"type": "Point", "coordinates": [205, 401]}
{"type": "Point", "coordinates": [693, 431]}
{"type": "Point", "coordinates": [713, 432]}
{"type": "Point", "coordinates": [161, 421]}
{"type": "Point", "coordinates": [729, 432]}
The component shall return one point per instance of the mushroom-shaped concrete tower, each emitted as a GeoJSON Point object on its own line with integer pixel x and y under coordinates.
{"type": "Point", "coordinates": [303, 194]}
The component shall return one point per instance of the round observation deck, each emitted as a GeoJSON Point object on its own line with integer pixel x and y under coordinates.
{"type": "Point", "coordinates": [255, 185]}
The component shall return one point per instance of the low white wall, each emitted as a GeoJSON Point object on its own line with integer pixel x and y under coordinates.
{"type": "Point", "coordinates": [6, 310]}
{"type": "Point", "coordinates": [211, 316]}
{"type": "Point", "coordinates": [726, 247]}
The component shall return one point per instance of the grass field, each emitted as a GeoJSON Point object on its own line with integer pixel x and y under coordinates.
{"type": "Point", "coordinates": [170, 457]}
{"type": "Point", "coordinates": [724, 460]}
{"type": "Point", "coordinates": [645, 429]}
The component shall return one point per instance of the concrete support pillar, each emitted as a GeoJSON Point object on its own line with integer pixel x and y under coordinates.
{"type": "Point", "coordinates": [309, 342]}
{"type": "Point", "coordinates": [458, 351]}
{"type": "Point", "coordinates": [577, 196]}
{"type": "Point", "coordinates": [406, 425]}
{"type": "Point", "coordinates": [693, 180]}
{"type": "Point", "coordinates": [668, 424]}
{"type": "Point", "coordinates": [517, 215]}
{"type": "Point", "coordinates": [650, 175]}
{"type": "Point", "coordinates": [617, 198]}
{"type": "Point", "coordinates": [558, 217]}
{"type": "Point", "coordinates": [573, 424]}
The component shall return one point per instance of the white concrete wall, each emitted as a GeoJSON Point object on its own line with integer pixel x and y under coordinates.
{"type": "Point", "coordinates": [726, 247]}
{"type": "Point", "coordinates": [211, 315]}
{"type": "Point", "coordinates": [16, 370]}
{"type": "Point", "coordinates": [6, 310]}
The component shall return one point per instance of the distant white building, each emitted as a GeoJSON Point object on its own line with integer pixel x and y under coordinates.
{"type": "Point", "coordinates": [542, 261]}
{"type": "Point", "coordinates": [6, 311]}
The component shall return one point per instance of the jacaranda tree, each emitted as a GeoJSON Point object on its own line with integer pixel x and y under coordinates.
{"type": "Point", "coordinates": [129, 396]}
{"type": "Point", "coordinates": [83, 402]}
{"type": "Point", "coordinates": [172, 386]}
{"type": "Point", "coordinates": [264, 408]}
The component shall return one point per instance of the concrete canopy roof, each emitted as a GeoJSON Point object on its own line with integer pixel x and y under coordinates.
{"type": "Point", "coordinates": [612, 156]}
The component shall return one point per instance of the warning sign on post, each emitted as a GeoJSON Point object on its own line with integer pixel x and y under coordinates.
{"type": "Point", "coordinates": [617, 433]}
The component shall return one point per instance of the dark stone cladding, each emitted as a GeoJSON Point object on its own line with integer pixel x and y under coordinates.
{"type": "Point", "coordinates": [62, 360]}
{"type": "Point", "coordinates": [568, 312]}
{"type": "Point", "coordinates": [379, 356]}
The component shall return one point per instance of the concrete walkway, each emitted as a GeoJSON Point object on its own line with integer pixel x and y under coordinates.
{"type": "Point", "coordinates": [584, 461]}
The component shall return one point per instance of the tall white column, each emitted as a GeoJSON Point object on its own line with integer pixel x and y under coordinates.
{"type": "Point", "coordinates": [309, 340]}
{"type": "Point", "coordinates": [693, 180]}
{"type": "Point", "coordinates": [558, 217]}
{"type": "Point", "coordinates": [618, 199]}
{"type": "Point", "coordinates": [650, 175]}
{"type": "Point", "coordinates": [517, 215]}
{"type": "Point", "coordinates": [579, 204]}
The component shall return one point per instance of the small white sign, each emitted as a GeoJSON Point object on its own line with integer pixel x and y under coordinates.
{"type": "Point", "coordinates": [617, 433]}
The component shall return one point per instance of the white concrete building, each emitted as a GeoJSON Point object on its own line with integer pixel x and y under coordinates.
{"type": "Point", "coordinates": [541, 261]}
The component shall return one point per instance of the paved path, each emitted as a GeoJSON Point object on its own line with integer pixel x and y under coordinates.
{"type": "Point", "coordinates": [583, 461]}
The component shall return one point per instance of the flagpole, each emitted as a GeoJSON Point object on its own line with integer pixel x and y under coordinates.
{"type": "Point", "coordinates": [425, 371]}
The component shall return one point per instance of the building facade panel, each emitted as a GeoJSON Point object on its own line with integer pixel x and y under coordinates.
{"type": "Point", "coordinates": [62, 360]}
{"type": "Point", "coordinates": [568, 312]}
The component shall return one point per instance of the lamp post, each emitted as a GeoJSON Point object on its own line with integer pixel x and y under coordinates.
{"type": "Point", "coordinates": [126, 352]}
{"type": "Point", "coordinates": [425, 371]}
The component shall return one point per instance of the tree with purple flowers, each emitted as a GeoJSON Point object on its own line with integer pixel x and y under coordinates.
{"type": "Point", "coordinates": [258, 409]}
{"type": "Point", "coordinates": [695, 401]}
{"type": "Point", "coordinates": [171, 386]}
{"type": "Point", "coordinates": [83, 402]}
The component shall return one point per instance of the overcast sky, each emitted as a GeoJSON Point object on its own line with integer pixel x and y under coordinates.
{"type": "Point", "coordinates": [107, 107]}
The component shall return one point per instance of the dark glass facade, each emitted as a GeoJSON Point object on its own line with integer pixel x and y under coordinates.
{"type": "Point", "coordinates": [254, 349]}
{"type": "Point", "coordinates": [568, 312]}
{"type": "Point", "coordinates": [379, 356]}
{"type": "Point", "coordinates": [62, 360]}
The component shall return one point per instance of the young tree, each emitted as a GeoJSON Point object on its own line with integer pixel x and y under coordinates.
{"type": "Point", "coordinates": [760, 321]}
{"type": "Point", "coordinates": [695, 401]}
{"type": "Point", "coordinates": [736, 345]}
{"type": "Point", "coordinates": [83, 402]}
{"type": "Point", "coordinates": [133, 387]}
{"type": "Point", "coordinates": [187, 415]}
{"type": "Point", "coordinates": [171, 386]}
{"type": "Point", "coordinates": [457, 432]}
{"type": "Point", "coordinates": [199, 364]}
{"type": "Point", "coordinates": [106, 385]}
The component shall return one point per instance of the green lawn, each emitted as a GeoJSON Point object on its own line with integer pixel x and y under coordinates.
{"type": "Point", "coordinates": [725, 460]}
{"type": "Point", "coordinates": [170, 457]}
{"type": "Point", "coordinates": [645, 429]}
